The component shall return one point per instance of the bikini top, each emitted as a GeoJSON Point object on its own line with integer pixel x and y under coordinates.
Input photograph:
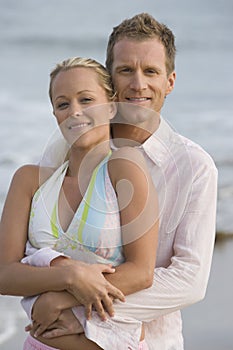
{"type": "Point", "coordinates": [94, 233]}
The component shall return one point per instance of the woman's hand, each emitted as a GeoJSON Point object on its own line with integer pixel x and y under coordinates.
{"type": "Point", "coordinates": [86, 282]}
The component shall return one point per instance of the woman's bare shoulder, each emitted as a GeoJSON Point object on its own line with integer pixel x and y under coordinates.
{"type": "Point", "coordinates": [128, 153]}
{"type": "Point", "coordinates": [31, 176]}
{"type": "Point", "coordinates": [127, 163]}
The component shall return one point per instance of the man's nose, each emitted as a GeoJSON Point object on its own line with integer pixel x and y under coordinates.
{"type": "Point", "coordinates": [138, 81]}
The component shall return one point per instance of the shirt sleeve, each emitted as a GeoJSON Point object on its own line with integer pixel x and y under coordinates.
{"type": "Point", "coordinates": [184, 281]}
{"type": "Point", "coordinates": [27, 304]}
{"type": "Point", "coordinates": [41, 258]}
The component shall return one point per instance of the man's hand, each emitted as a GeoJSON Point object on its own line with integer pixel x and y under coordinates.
{"type": "Point", "coordinates": [66, 324]}
{"type": "Point", "coordinates": [89, 286]}
{"type": "Point", "coordinates": [44, 313]}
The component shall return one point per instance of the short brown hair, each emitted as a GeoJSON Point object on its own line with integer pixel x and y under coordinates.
{"type": "Point", "coordinates": [143, 27]}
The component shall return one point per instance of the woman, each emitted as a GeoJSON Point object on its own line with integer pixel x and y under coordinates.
{"type": "Point", "coordinates": [97, 207]}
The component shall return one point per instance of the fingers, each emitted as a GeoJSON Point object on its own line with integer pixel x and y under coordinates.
{"type": "Point", "coordinates": [116, 293]}
{"type": "Point", "coordinates": [108, 306]}
{"type": "Point", "coordinates": [88, 309]}
{"type": "Point", "coordinates": [67, 324]}
{"type": "Point", "coordinates": [28, 328]}
{"type": "Point", "coordinates": [53, 333]}
{"type": "Point", "coordinates": [40, 330]}
{"type": "Point", "coordinates": [98, 306]}
{"type": "Point", "coordinates": [32, 327]}
{"type": "Point", "coordinates": [100, 310]}
{"type": "Point", "coordinates": [106, 268]}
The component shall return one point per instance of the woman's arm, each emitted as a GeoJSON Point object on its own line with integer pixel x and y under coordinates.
{"type": "Point", "coordinates": [138, 205]}
{"type": "Point", "coordinates": [24, 280]}
{"type": "Point", "coordinates": [16, 278]}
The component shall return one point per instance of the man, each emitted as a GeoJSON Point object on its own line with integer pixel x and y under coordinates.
{"type": "Point", "coordinates": [141, 60]}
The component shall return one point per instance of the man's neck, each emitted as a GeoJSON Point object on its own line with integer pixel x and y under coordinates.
{"type": "Point", "coordinates": [130, 135]}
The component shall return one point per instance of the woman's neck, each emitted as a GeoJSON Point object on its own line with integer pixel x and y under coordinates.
{"type": "Point", "coordinates": [82, 162]}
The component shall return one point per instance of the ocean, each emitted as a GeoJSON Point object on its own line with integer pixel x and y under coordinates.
{"type": "Point", "coordinates": [35, 35]}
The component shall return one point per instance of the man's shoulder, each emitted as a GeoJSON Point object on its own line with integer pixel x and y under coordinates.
{"type": "Point", "coordinates": [192, 161]}
{"type": "Point", "coordinates": [182, 149]}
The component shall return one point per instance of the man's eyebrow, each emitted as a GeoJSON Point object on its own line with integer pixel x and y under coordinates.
{"type": "Point", "coordinates": [123, 65]}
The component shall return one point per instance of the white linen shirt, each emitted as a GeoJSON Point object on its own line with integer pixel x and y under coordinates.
{"type": "Point", "coordinates": [185, 177]}
{"type": "Point", "coordinates": [186, 181]}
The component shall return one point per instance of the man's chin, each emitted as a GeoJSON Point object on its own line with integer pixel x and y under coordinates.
{"type": "Point", "coordinates": [136, 115]}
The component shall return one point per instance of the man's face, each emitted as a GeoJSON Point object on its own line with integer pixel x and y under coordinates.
{"type": "Point", "coordinates": [139, 73]}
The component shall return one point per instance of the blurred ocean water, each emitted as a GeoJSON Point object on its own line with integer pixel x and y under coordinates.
{"type": "Point", "coordinates": [34, 35]}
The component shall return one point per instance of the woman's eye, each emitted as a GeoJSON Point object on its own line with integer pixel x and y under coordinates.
{"type": "Point", "coordinates": [86, 100]}
{"type": "Point", "coordinates": [62, 105]}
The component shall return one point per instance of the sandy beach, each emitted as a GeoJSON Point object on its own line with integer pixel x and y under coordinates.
{"type": "Point", "coordinates": [207, 325]}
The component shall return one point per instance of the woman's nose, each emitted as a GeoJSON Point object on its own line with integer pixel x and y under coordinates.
{"type": "Point", "coordinates": [75, 110]}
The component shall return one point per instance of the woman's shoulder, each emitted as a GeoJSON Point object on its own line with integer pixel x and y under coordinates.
{"type": "Point", "coordinates": [31, 176]}
{"type": "Point", "coordinates": [128, 153]}
{"type": "Point", "coordinates": [126, 162]}
{"type": "Point", "coordinates": [26, 172]}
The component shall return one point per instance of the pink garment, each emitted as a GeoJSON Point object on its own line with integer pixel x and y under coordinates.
{"type": "Point", "coordinates": [33, 344]}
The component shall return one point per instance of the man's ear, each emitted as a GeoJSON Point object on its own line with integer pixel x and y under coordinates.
{"type": "Point", "coordinates": [170, 82]}
{"type": "Point", "coordinates": [112, 110]}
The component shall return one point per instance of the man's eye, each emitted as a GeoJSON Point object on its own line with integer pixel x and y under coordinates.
{"type": "Point", "coordinates": [151, 71]}
{"type": "Point", "coordinates": [125, 70]}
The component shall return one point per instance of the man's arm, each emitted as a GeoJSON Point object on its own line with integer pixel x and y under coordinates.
{"type": "Point", "coordinates": [184, 281]}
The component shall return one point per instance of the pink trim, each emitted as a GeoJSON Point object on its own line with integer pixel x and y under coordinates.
{"type": "Point", "coordinates": [33, 344]}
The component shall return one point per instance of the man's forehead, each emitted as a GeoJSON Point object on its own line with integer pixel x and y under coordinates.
{"type": "Point", "coordinates": [126, 50]}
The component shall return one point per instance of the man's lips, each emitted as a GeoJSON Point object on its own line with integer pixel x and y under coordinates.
{"type": "Point", "coordinates": [137, 99]}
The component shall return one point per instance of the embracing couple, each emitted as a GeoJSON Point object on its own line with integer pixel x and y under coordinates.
{"type": "Point", "coordinates": [108, 246]}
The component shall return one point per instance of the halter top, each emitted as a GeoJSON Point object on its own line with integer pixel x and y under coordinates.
{"type": "Point", "coordinates": [94, 233]}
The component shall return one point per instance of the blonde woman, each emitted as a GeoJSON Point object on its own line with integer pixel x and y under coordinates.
{"type": "Point", "coordinates": [87, 209]}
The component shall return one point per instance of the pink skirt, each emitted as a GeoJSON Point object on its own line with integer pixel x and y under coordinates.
{"type": "Point", "coordinates": [33, 344]}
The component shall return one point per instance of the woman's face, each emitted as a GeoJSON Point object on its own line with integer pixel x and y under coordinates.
{"type": "Point", "coordinates": [81, 107]}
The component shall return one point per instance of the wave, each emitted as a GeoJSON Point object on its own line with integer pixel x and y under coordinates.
{"type": "Point", "coordinates": [37, 41]}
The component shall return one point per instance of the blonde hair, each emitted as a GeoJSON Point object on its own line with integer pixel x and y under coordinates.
{"type": "Point", "coordinates": [103, 76]}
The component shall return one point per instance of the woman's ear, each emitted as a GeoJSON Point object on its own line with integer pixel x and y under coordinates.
{"type": "Point", "coordinates": [112, 110]}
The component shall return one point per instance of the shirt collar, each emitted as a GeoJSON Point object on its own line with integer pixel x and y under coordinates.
{"type": "Point", "coordinates": [158, 145]}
